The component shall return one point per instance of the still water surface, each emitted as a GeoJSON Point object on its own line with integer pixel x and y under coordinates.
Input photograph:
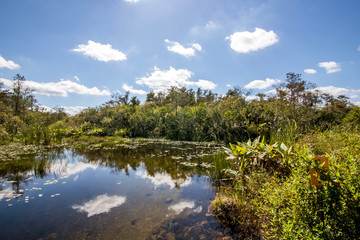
{"type": "Point", "coordinates": [148, 190]}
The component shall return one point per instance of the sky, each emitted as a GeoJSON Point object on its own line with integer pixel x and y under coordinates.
{"type": "Point", "coordinates": [76, 54]}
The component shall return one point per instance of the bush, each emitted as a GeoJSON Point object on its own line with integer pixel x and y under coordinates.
{"type": "Point", "coordinates": [282, 204]}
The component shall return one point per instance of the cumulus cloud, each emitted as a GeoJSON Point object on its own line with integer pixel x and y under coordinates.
{"type": "Point", "coordinates": [130, 89]}
{"type": "Point", "coordinates": [62, 88]}
{"type": "Point", "coordinates": [251, 98]}
{"type": "Point", "coordinates": [163, 80]}
{"type": "Point", "coordinates": [8, 64]}
{"type": "Point", "coordinates": [335, 90]}
{"type": "Point", "coordinates": [77, 78]}
{"type": "Point", "coordinates": [271, 92]}
{"type": "Point", "coordinates": [330, 67]}
{"type": "Point", "coordinates": [353, 94]}
{"type": "Point", "coordinates": [132, 1]}
{"type": "Point", "coordinates": [178, 48]}
{"type": "Point", "coordinates": [228, 85]}
{"type": "Point", "coordinates": [100, 204]}
{"type": "Point", "coordinates": [310, 71]}
{"type": "Point", "coordinates": [245, 42]}
{"type": "Point", "coordinates": [71, 110]}
{"type": "Point", "coordinates": [262, 84]}
{"type": "Point", "coordinates": [100, 52]}
{"type": "Point", "coordinates": [204, 84]}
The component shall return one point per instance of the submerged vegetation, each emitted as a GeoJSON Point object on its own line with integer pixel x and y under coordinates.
{"type": "Point", "coordinates": [264, 188]}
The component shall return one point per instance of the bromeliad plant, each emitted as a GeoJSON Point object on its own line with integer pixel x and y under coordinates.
{"type": "Point", "coordinates": [258, 154]}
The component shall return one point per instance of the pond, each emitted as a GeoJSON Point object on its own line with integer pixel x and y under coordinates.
{"type": "Point", "coordinates": [146, 190]}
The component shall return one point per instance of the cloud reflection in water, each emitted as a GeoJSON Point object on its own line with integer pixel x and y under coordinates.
{"type": "Point", "coordinates": [100, 204]}
{"type": "Point", "coordinates": [164, 179]}
{"type": "Point", "coordinates": [181, 206]}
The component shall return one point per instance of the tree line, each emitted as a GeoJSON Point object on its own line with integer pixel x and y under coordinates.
{"type": "Point", "coordinates": [179, 114]}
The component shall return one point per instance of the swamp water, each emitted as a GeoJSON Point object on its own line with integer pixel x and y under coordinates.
{"type": "Point", "coordinates": [147, 190]}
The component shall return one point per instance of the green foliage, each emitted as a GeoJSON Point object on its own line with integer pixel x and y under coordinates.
{"type": "Point", "coordinates": [182, 114]}
{"type": "Point", "coordinates": [277, 204]}
{"type": "Point", "coordinates": [257, 154]}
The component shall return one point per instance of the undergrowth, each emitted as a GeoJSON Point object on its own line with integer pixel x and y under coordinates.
{"type": "Point", "coordinates": [268, 194]}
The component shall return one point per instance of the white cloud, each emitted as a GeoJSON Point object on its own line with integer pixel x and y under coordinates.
{"type": "Point", "coordinates": [204, 84]}
{"type": "Point", "coordinates": [330, 67]}
{"type": "Point", "coordinates": [100, 52]}
{"type": "Point", "coordinates": [8, 64]}
{"type": "Point", "coordinates": [250, 98]}
{"type": "Point", "coordinates": [163, 80]}
{"type": "Point", "coordinates": [77, 78]}
{"type": "Point", "coordinates": [271, 92]}
{"type": "Point", "coordinates": [228, 85]}
{"type": "Point", "coordinates": [262, 84]}
{"type": "Point", "coordinates": [353, 94]}
{"type": "Point", "coordinates": [178, 48]}
{"type": "Point", "coordinates": [132, 1]}
{"type": "Point", "coordinates": [130, 89]}
{"type": "Point", "coordinates": [181, 206]}
{"type": "Point", "coordinates": [196, 46]}
{"type": "Point", "coordinates": [61, 88]}
{"type": "Point", "coordinates": [310, 71]}
{"type": "Point", "coordinates": [335, 90]}
{"type": "Point", "coordinates": [100, 204]}
{"type": "Point", "coordinates": [72, 110]}
{"type": "Point", "coordinates": [245, 42]}
{"type": "Point", "coordinates": [164, 179]}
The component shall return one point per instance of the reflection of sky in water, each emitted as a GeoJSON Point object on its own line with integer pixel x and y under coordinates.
{"type": "Point", "coordinates": [68, 169]}
{"type": "Point", "coordinates": [6, 192]}
{"type": "Point", "coordinates": [163, 179]}
{"type": "Point", "coordinates": [181, 206]}
{"type": "Point", "coordinates": [70, 193]}
{"type": "Point", "coordinates": [100, 204]}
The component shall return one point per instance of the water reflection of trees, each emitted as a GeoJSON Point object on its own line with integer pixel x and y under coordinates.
{"type": "Point", "coordinates": [18, 171]}
{"type": "Point", "coordinates": [157, 158]}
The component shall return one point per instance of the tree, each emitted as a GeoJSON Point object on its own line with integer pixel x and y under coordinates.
{"type": "Point", "coordinates": [22, 99]}
{"type": "Point", "coordinates": [295, 90]}
{"type": "Point", "coordinates": [134, 101]}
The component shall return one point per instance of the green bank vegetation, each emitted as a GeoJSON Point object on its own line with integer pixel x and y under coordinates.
{"type": "Point", "coordinates": [264, 188]}
{"type": "Point", "coordinates": [265, 191]}
{"type": "Point", "coordinates": [180, 114]}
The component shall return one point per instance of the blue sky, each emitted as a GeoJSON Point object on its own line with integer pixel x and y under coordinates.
{"type": "Point", "coordinates": [76, 54]}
